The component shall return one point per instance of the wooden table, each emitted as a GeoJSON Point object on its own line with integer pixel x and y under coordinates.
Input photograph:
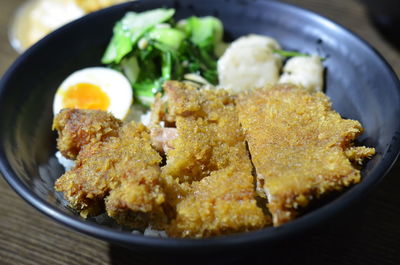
{"type": "Point", "coordinates": [28, 237]}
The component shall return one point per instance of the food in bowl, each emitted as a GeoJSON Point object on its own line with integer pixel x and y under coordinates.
{"type": "Point", "coordinates": [301, 149]}
{"type": "Point", "coordinates": [188, 171]}
{"type": "Point", "coordinates": [37, 18]}
{"type": "Point", "coordinates": [95, 88]}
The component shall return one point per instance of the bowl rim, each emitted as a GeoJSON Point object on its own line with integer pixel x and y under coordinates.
{"type": "Point", "coordinates": [268, 234]}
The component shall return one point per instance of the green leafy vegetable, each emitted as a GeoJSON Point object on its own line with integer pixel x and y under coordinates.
{"type": "Point", "coordinates": [205, 32]}
{"type": "Point", "coordinates": [144, 91]}
{"type": "Point", "coordinates": [168, 36]}
{"type": "Point", "coordinates": [293, 54]}
{"type": "Point", "coordinates": [166, 65]}
{"type": "Point", "coordinates": [200, 62]}
{"type": "Point", "coordinates": [120, 45]}
{"type": "Point", "coordinates": [290, 53]}
{"type": "Point", "coordinates": [149, 48]}
{"type": "Point", "coordinates": [128, 31]}
{"type": "Point", "coordinates": [130, 68]}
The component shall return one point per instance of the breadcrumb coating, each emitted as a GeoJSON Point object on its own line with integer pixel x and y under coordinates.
{"type": "Point", "coordinates": [222, 203]}
{"type": "Point", "coordinates": [77, 128]}
{"type": "Point", "coordinates": [213, 191]}
{"type": "Point", "coordinates": [301, 150]}
{"type": "Point", "coordinates": [209, 135]}
{"type": "Point", "coordinates": [300, 147]}
{"type": "Point", "coordinates": [121, 173]}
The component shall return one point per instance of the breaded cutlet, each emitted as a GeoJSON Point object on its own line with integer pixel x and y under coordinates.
{"type": "Point", "coordinates": [208, 171]}
{"type": "Point", "coordinates": [138, 195]}
{"type": "Point", "coordinates": [300, 147]}
{"type": "Point", "coordinates": [77, 127]}
{"type": "Point", "coordinates": [209, 135]}
{"type": "Point", "coordinates": [221, 203]}
{"type": "Point", "coordinates": [121, 174]}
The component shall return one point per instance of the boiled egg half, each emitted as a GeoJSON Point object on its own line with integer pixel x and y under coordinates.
{"type": "Point", "coordinates": [96, 88]}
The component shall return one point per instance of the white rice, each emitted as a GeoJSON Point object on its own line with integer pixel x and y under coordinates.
{"type": "Point", "coordinates": [65, 162]}
{"type": "Point", "coordinates": [154, 233]}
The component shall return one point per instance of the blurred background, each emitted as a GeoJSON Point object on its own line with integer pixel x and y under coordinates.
{"type": "Point", "coordinates": [369, 236]}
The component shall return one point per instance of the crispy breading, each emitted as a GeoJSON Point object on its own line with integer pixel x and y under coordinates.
{"type": "Point", "coordinates": [158, 109]}
{"type": "Point", "coordinates": [77, 128]}
{"type": "Point", "coordinates": [213, 191]}
{"type": "Point", "coordinates": [221, 203]}
{"type": "Point", "coordinates": [124, 171]}
{"type": "Point", "coordinates": [300, 147]}
{"type": "Point", "coordinates": [209, 135]}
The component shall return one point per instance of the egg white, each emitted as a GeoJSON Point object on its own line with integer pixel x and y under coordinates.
{"type": "Point", "coordinates": [111, 82]}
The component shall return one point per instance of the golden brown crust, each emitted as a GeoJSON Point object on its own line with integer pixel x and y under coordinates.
{"type": "Point", "coordinates": [299, 146]}
{"type": "Point", "coordinates": [210, 137]}
{"type": "Point", "coordinates": [208, 171]}
{"type": "Point", "coordinates": [77, 128]}
{"type": "Point", "coordinates": [124, 171]}
{"type": "Point", "coordinates": [221, 203]}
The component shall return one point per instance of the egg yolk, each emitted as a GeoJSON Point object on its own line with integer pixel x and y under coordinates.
{"type": "Point", "coordinates": [86, 96]}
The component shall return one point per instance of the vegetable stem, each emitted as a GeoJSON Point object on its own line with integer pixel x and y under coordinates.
{"type": "Point", "coordinates": [288, 54]}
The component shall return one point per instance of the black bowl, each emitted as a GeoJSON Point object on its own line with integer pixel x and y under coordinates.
{"type": "Point", "coordinates": [360, 83]}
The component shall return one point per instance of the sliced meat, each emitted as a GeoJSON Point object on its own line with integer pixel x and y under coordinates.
{"type": "Point", "coordinates": [221, 203]}
{"type": "Point", "coordinates": [208, 178]}
{"type": "Point", "coordinates": [124, 171]}
{"type": "Point", "coordinates": [300, 147]}
{"type": "Point", "coordinates": [162, 138]}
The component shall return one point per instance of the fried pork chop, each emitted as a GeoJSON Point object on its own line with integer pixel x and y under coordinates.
{"type": "Point", "coordinates": [77, 128]}
{"type": "Point", "coordinates": [120, 173]}
{"type": "Point", "coordinates": [208, 169]}
{"type": "Point", "coordinates": [221, 203]}
{"type": "Point", "coordinates": [209, 135]}
{"type": "Point", "coordinates": [300, 147]}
